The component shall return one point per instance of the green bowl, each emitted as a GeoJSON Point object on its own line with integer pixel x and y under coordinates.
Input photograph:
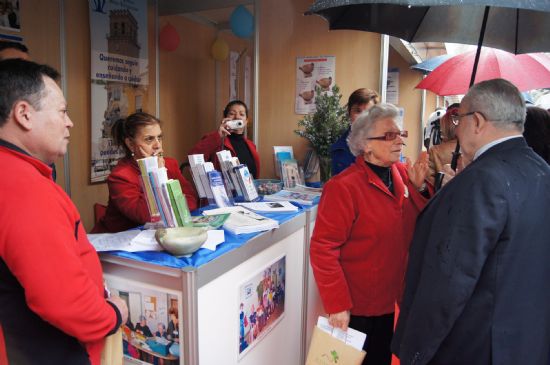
{"type": "Point", "coordinates": [180, 241]}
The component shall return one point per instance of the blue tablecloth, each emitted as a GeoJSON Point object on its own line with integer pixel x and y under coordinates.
{"type": "Point", "coordinates": [202, 256]}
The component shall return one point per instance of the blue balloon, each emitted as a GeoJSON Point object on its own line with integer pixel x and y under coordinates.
{"type": "Point", "coordinates": [242, 22]}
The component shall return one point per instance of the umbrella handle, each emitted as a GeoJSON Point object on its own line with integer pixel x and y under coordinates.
{"type": "Point", "coordinates": [456, 155]}
{"type": "Point", "coordinates": [454, 163]}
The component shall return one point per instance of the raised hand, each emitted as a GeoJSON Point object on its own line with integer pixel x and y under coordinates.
{"type": "Point", "coordinates": [419, 171]}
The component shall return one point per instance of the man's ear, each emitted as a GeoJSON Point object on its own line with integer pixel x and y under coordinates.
{"type": "Point", "coordinates": [479, 122]}
{"type": "Point", "coordinates": [22, 113]}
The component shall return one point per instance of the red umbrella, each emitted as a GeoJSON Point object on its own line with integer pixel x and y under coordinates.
{"type": "Point", "coordinates": [526, 71]}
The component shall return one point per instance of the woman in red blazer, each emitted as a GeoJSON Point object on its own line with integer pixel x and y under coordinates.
{"type": "Point", "coordinates": [140, 136]}
{"type": "Point", "coordinates": [232, 139]}
{"type": "Point", "coordinates": [364, 223]}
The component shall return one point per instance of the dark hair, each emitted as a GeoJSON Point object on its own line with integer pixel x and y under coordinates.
{"type": "Point", "coordinates": [362, 96]}
{"type": "Point", "coordinates": [127, 128]}
{"type": "Point", "coordinates": [13, 45]}
{"type": "Point", "coordinates": [22, 80]}
{"type": "Point", "coordinates": [174, 311]}
{"type": "Point", "coordinates": [453, 105]}
{"type": "Point", "coordinates": [537, 131]}
{"type": "Point", "coordinates": [234, 102]}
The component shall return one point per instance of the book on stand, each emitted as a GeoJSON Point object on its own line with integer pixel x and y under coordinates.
{"type": "Point", "coordinates": [203, 170]}
{"type": "Point", "coordinates": [194, 162]}
{"type": "Point", "coordinates": [224, 158]}
{"type": "Point", "coordinates": [178, 202]}
{"type": "Point", "coordinates": [165, 214]}
{"type": "Point", "coordinates": [242, 220]}
{"type": "Point", "coordinates": [218, 189]}
{"type": "Point", "coordinates": [246, 183]}
{"type": "Point", "coordinates": [290, 173]}
{"type": "Point", "coordinates": [281, 153]}
{"type": "Point", "coordinates": [145, 165]}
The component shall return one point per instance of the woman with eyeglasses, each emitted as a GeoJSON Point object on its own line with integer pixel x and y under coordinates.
{"type": "Point", "coordinates": [140, 136]}
{"type": "Point", "coordinates": [359, 101]}
{"type": "Point", "coordinates": [364, 223]}
{"type": "Point", "coordinates": [232, 137]}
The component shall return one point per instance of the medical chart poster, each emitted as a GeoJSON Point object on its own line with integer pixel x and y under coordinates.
{"type": "Point", "coordinates": [312, 72]}
{"type": "Point", "coordinates": [119, 74]}
{"type": "Point", "coordinates": [261, 304]}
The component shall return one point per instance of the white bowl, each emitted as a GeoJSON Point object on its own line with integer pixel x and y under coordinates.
{"type": "Point", "coordinates": [181, 241]}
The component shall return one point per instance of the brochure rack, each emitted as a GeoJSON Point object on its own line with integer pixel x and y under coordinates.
{"type": "Point", "coordinates": [208, 292]}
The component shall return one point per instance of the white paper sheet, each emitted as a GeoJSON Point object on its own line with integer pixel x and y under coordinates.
{"type": "Point", "coordinates": [350, 337]}
{"type": "Point", "coordinates": [132, 241]}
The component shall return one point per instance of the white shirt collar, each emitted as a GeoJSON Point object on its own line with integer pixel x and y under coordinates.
{"type": "Point", "coordinates": [484, 148]}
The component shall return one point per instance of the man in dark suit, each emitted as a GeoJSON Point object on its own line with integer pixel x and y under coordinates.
{"type": "Point", "coordinates": [477, 288]}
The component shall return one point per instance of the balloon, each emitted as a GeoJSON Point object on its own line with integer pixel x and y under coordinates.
{"type": "Point", "coordinates": [169, 39]}
{"type": "Point", "coordinates": [241, 22]}
{"type": "Point", "coordinates": [219, 50]}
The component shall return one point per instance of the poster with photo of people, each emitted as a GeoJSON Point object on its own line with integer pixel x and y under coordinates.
{"type": "Point", "coordinates": [152, 333]}
{"type": "Point", "coordinates": [261, 304]}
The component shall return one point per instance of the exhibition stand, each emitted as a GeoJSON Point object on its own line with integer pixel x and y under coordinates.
{"type": "Point", "coordinates": [252, 301]}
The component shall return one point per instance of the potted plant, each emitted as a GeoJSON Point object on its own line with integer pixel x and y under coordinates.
{"type": "Point", "coordinates": [323, 127]}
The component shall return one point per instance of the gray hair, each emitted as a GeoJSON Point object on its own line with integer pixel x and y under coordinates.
{"type": "Point", "coordinates": [357, 139]}
{"type": "Point", "coordinates": [499, 101]}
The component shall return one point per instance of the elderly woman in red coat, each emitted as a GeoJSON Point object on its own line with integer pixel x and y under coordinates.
{"type": "Point", "coordinates": [141, 136]}
{"type": "Point", "coordinates": [365, 220]}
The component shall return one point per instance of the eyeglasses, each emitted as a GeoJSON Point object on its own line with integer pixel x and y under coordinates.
{"type": "Point", "coordinates": [390, 136]}
{"type": "Point", "coordinates": [455, 118]}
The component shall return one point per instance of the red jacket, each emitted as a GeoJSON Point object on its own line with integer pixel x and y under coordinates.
{"type": "Point", "coordinates": [51, 285]}
{"type": "Point", "coordinates": [127, 206]}
{"type": "Point", "coordinates": [360, 241]}
{"type": "Point", "coordinates": [212, 143]}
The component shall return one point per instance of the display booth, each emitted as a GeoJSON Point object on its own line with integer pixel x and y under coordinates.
{"type": "Point", "coordinates": [252, 301]}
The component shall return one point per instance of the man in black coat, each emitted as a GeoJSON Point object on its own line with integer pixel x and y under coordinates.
{"type": "Point", "coordinates": [477, 288]}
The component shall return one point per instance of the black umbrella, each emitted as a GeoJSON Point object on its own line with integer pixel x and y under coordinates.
{"type": "Point", "coordinates": [517, 26]}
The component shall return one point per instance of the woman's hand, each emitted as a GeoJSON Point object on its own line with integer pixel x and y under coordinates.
{"type": "Point", "coordinates": [419, 171]}
{"type": "Point", "coordinates": [160, 157]}
{"type": "Point", "coordinates": [339, 320]}
{"type": "Point", "coordinates": [223, 131]}
{"type": "Point", "coordinates": [141, 153]}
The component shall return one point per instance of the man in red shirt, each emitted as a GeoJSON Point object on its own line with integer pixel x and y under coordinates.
{"type": "Point", "coordinates": [52, 305]}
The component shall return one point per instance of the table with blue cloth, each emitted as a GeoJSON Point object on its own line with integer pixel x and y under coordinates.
{"type": "Point", "coordinates": [203, 255]}
{"type": "Point", "coordinates": [208, 287]}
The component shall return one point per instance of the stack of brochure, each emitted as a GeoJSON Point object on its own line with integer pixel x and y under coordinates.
{"type": "Point", "coordinates": [165, 199]}
{"type": "Point", "coordinates": [243, 220]}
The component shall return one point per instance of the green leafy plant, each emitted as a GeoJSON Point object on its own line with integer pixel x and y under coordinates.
{"type": "Point", "coordinates": [329, 121]}
{"type": "Point", "coordinates": [323, 127]}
